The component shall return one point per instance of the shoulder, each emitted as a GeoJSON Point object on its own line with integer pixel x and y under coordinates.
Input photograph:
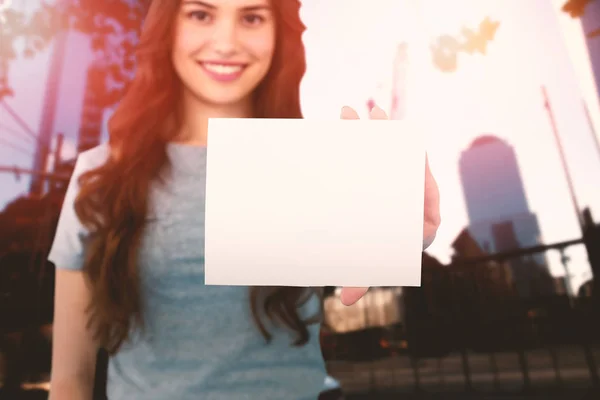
{"type": "Point", "coordinates": [68, 247]}
{"type": "Point", "coordinates": [92, 159]}
{"type": "Point", "coordinates": [86, 161]}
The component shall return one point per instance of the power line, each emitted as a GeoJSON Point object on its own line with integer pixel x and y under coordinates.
{"type": "Point", "coordinates": [17, 140]}
{"type": "Point", "coordinates": [16, 147]}
{"type": "Point", "coordinates": [26, 171]}
{"type": "Point", "coordinates": [19, 120]}
{"type": "Point", "coordinates": [14, 131]}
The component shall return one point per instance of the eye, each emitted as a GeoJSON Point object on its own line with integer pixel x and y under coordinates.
{"type": "Point", "coordinates": [253, 19]}
{"type": "Point", "coordinates": [200, 16]}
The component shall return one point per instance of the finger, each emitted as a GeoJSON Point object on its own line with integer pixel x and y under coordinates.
{"type": "Point", "coordinates": [349, 113]}
{"type": "Point", "coordinates": [351, 295]}
{"type": "Point", "coordinates": [378, 113]}
{"type": "Point", "coordinates": [431, 215]}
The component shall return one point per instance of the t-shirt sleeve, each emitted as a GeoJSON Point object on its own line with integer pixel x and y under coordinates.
{"type": "Point", "coordinates": [67, 251]}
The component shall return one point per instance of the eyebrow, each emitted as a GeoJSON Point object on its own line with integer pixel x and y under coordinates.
{"type": "Point", "coordinates": [212, 6]}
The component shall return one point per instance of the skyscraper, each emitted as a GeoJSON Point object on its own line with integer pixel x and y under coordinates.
{"type": "Point", "coordinates": [499, 215]}
{"type": "Point", "coordinates": [63, 98]}
{"type": "Point", "coordinates": [48, 113]}
{"type": "Point", "coordinates": [92, 118]}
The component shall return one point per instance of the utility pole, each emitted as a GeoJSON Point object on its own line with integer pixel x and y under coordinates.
{"type": "Point", "coordinates": [589, 356]}
{"type": "Point", "coordinates": [60, 138]}
{"type": "Point", "coordinates": [563, 159]}
{"type": "Point", "coordinates": [565, 167]}
{"type": "Point", "coordinates": [57, 156]}
{"type": "Point", "coordinates": [48, 114]}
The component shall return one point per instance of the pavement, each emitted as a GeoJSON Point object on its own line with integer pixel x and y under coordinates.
{"type": "Point", "coordinates": [570, 394]}
{"type": "Point", "coordinates": [488, 374]}
{"type": "Point", "coordinates": [493, 377]}
{"type": "Point", "coordinates": [564, 395]}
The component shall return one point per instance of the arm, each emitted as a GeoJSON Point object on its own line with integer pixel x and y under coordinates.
{"type": "Point", "coordinates": [73, 348]}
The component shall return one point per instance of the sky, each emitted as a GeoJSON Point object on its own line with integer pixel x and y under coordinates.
{"type": "Point", "coordinates": [498, 93]}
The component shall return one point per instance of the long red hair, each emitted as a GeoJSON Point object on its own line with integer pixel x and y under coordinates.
{"type": "Point", "coordinates": [113, 199]}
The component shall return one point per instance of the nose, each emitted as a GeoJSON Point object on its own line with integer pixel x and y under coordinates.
{"type": "Point", "coordinates": [225, 37]}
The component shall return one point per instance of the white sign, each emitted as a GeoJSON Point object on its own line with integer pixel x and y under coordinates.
{"type": "Point", "coordinates": [296, 202]}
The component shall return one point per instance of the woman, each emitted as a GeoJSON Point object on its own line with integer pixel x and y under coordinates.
{"type": "Point", "coordinates": [129, 245]}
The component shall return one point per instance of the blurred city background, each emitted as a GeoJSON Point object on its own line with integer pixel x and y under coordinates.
{"type": "Point", "coordinates": [509, 93]}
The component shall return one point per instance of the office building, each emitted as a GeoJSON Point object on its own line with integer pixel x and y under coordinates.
{"type": "Point", "coordinates": [92, 116]}
{"type": "Point", "coordinates": [63, 99]}
{"type": "Point", "coordinates": [499, 215]}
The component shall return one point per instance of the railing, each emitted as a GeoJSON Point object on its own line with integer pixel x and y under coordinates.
{"type": "Point", "coordinates": [466, 330]}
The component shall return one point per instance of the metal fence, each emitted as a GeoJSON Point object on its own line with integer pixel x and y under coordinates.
{"type": "Point", "coordinates": [501, 325]}
{"type": "Point", "coordinates": [468, 329]}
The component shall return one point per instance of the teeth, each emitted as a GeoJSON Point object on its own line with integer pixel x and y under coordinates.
{"type": "Point", "coordinates": [223, 69]}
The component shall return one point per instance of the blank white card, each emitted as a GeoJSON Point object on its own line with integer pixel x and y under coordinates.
{"type": "Point", "coordinates": [293, 202]}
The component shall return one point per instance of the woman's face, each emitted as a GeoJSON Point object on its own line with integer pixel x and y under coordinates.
{"type": "Point", "coordinates": [223, 48]}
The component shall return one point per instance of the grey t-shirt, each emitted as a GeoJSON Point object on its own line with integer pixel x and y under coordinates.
{"type": "Point", "coordinates": [199, 341]}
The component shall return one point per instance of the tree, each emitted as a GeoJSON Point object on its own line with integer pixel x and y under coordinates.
{"type": "Point", "coordinates": [447, 48]}
{"type": "Point", "coordinates": [576, 9]}
{"type": "Point", "coordinates": [35, 32]}
{"type": "Point", "coordinates": [113, 26]}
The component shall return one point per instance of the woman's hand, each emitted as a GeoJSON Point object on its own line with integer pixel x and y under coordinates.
{"type": "Point", "coordinates": [431, 218]}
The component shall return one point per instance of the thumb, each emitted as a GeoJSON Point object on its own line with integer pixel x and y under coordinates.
{"type": "Point", "coordinates": [351, 295]}
{"type": "Point", "coordinates": [348, 113]}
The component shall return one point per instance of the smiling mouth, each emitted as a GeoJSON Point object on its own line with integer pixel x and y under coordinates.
{"type": "Point", "coordinates": [222, 71]}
